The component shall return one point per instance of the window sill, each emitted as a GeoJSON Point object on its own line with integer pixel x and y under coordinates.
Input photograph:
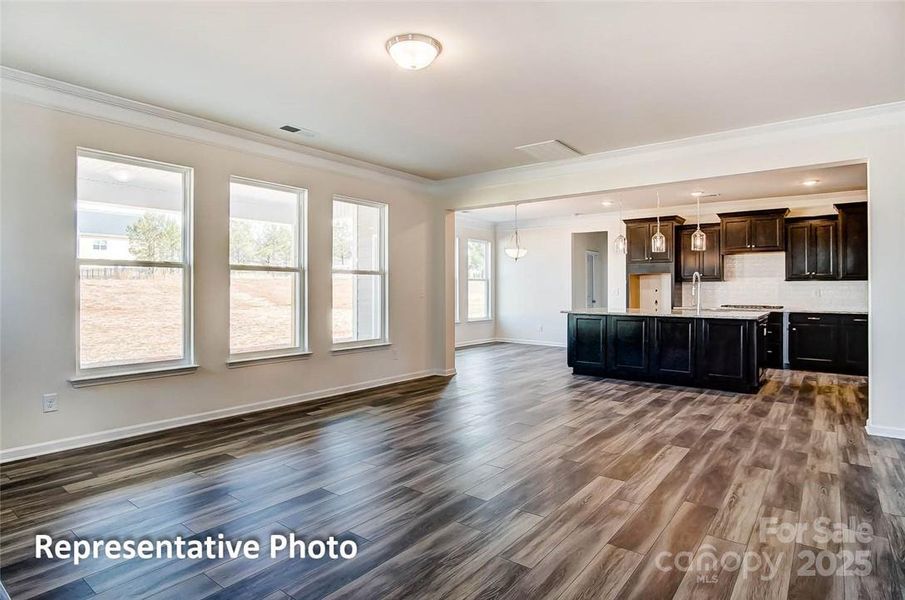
{"type": "Point", "coordinates": [359, 347]}
{"type": "Point", "coordinates": [488, 319]}
{"type": "Point", "coordinates": [235, 363]}
{"type": "Point", "coordinates": [92, 380]}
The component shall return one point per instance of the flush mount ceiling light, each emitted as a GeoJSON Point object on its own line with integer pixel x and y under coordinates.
{"type": "Point", "coordinates": [514, 248]}
{"type": "Point", "coordinates": [607, 203]}
{"type": "Point", "coordinates": [697, 194]}
{"type": "Point", "coordinates": [122, 175]}
{"type": "Point", "coordinates": [810, 182]}
{"type": "Point", "coordinates": [413, 51]}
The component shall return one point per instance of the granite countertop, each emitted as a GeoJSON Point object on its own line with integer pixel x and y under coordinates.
{"type": "Point", "coordinates": [752, 315]}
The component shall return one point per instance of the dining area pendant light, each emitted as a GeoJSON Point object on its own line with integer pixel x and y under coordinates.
{"type": "Point", "coordinates": [620, 244]}
{"type": "Point", "coordinates": [699, 238]}
{"type": "Point", "coordinates": [514, 249]}
{"type": "Point", "coordinates": [658, 240]}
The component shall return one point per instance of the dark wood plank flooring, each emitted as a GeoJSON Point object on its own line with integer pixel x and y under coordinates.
{"type": "Point", "coordinates": [514, 479]}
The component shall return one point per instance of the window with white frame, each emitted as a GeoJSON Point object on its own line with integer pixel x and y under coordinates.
{"type": "Point", "coordinates": [359, 272]}
{"type": "Point", "coordinates": [267, 269]}
{"type": "Point", "coordinates": [457, 279]}
{"type": "Point", "coordinates": [134, 259]}
{"type": "Point", "coordinates": [478, 280]}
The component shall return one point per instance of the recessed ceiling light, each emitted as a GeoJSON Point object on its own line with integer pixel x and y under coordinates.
{"type": "Point", "coordinates": [607, 203]}
{"type": "Point", "coordinates": [121, 175]}
{"type": "Point", "coordinates": [413, 51]}
{"type": "Point", "coordinates": [697, 194]}
{"type": "Point", "coordinates": [810, 182]}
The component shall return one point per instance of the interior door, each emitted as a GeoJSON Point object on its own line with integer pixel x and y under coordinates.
{"type": "Point", "coordinates": [592, 265]}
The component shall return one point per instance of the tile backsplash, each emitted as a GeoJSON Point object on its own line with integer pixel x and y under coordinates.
{"type": "Point", "coordinates": [760, 279]}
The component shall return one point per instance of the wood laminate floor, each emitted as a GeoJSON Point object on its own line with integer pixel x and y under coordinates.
{"type": "Point", "coordinates": [514, 479]}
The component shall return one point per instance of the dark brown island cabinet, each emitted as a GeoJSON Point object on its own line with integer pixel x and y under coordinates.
{"type": "Point", "coordinates": [830, 343]}
{"type": "Point", "coordinates": [723, 353]}
{"type": "Point", "coordinates": [708, 263]}
{"type": "Point", "coordinates": [753, 231]}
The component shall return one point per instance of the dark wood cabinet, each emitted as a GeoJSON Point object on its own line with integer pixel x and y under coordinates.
{"type": "Point", "coordinates": [587, 341]}
{"type": "Point", "coordinates": [638, 233]}
{"type": "Point", "coordinates": [673, 350]}
{"type": "Point", "coordinates": [853, 241]}
{"type": "Point", "coordinates": [772, 332]}
{"type": "Point", "coordinates": [627, 345]}
{"type": "Point", "coordinates": [753, 231]}
{"type": "Point", "coordinates": [726, 356]}
{"type": "Point", "coordinates": [708, 263]}
{"type": "Point", "coordinates": [705, 352]}
{"type": "Point", "coordinates": [853, 346]}
{"type": "Point", "coordinates": [829, 343]}
{"type": "Point", "coordinates": [811, 248]}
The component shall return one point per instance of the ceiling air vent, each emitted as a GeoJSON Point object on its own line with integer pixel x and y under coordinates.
{"type": "Point", "coordinates": [302, 130]}
{"type": "Point", "coordinates": [290, 128]}
{"type": "Point", "coordinates": [549, 150]}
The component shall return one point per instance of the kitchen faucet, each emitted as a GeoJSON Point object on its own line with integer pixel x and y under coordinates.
{"type": "Point", "coordinates": [696, 290]}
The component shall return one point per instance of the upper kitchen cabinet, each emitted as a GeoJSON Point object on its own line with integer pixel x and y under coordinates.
{"type": "Point", "coordinates": [638, 233]}
{"type": "Point", "coordinates": [852, 241]}
{"type": "Point", "coordinates": [753, 231]}
{"type": "Point", "coordinates": [811, 248]}
{"type": "Point", "coordinates": [708, 263]}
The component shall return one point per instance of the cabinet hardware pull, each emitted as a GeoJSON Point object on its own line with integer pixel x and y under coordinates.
{"type": "Point", "coordinates": [793, 329]}
{"type": "Point", "coordinates": [860, 320]}
{"type": "Point", "coordinates": [813, 318]}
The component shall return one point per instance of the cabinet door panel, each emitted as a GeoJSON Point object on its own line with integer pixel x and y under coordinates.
{"type": "Point", "coordinates": [712, 257]}
{"type": "Point", "coordinates": [587, 342]}
{"type": "Point", "coordinates": [668, 231]}
{"type": "Point", "coordinates": [767, 233]}
{"type": "Point", "coordinates": [627, 344]}
{"type": "Point", "coordinates": [724, 354]}
{"type": "Point", "coordinates": [853, 346]}
{"type": "Point", "coordinates": [797, 258]}
{"type": "Point", "coordinates": [735, 234]}
{"type": "Point", "coordinates": [853, 241]}
{"type": "Point", "coordinates": [673, 349]}
{"type": "Point", "coordinates": [689, 261]}
{"type": "Point", "coordinates": [813, 346]}
{"type": "Point", "coordinates": [638, 236]}
{"type": "Point", "coordinates": [823, 249]}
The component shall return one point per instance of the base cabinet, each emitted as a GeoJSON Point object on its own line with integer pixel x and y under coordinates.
{"type": "Point", "coordinates": [828, 343]}
{"type": "Point", "coordinates": [716, 353]}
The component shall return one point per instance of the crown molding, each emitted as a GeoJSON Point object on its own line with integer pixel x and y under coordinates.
{"type": "Point", "coordinates": [893, 111]}
{"type": "Point", "coordinates": [75, 99]}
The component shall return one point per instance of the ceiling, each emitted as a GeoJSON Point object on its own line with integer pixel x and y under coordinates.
{"type": "Point", "coordinates": [598, 76]}
{"type": "Point", "coordinates": [749, 186]}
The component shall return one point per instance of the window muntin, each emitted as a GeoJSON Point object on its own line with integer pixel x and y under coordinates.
{"type": "Point", "coordinates": [359, 315]}
{"type": "Point", "coordinates": [478, 265]}
{"type": "Point", "coordinates": [134, 259]}
{"type": "Point", "coordinates": [267, 269]}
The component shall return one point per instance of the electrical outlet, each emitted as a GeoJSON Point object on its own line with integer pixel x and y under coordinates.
{"type": "Point", "coordinates": [49, 402]}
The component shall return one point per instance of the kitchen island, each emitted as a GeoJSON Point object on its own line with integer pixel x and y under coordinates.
{"type": "Point", "coordinates": [718, 349]}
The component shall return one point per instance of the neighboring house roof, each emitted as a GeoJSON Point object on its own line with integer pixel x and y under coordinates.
{"type": "Point", "coordinates": [99, 223]}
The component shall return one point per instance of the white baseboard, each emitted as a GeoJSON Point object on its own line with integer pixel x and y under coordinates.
{"type": "Point", "coordinates": [510, 341]}
{"type": "Point", "coordinates": [532, 342]}
{"type": "Point", "coordinates": [890, 432]}
{"type": "Point", "coordinates": [475, 343]}
{"type": "Point", "coordinates": [90, 439]}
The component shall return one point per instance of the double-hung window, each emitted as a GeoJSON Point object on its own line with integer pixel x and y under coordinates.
{"type": "Point", "coordinates": [478, 280]}
{"type": "Point", "coordinates": [267, 284]}
{"type": "Point", "coordinates": [359, 272]}
{"type": "Point", "coordinates": [134, 259]}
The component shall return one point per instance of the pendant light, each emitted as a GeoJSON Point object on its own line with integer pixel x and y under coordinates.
{"type": "Point", "coordinates": [514, 248]}
{"type": "Point", "coordinates": [620, 244]}
{"type": "Point", "coordinates": [658, 240]}
{"type": "Point", "coordinates": [699, 238]}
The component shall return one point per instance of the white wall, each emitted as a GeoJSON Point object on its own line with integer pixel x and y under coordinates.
{"type": "Point", "coordinates": [39, 282]}
{"type": "Point", "coordinates": [532, 292]}
{"type": "Point", "coordinates": [874, 135]}
{"type": "Point", "coordinates": [475, 332]}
